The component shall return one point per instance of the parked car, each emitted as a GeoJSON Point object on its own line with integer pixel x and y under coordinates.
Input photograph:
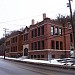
{"type": "Point", "coordinates": [64, 61]}
{"type": "Point", "coordinates": [69, 61]}
{"type": "Point", "coordinates": [58, 61]}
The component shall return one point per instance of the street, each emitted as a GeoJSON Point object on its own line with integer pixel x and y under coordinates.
{"type": "Point", "coordinates": [16, 68]}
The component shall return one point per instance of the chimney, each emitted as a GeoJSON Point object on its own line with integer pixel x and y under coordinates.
{"type": "Point", "coordinates": [44, 16]}
{"type": "Point", "coordinates": [32, 22]}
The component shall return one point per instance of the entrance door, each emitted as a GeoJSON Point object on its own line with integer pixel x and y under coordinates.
{"type": "Point", "coordinates": [26, 52]}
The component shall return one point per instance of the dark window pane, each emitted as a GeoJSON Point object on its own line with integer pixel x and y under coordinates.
{"type": "Point", "coordinates": [53, 56]}
{"type": "Point", "coordinates": [57, 44]}
{"type": "Point", "coordinates": [61, 46]}
{"type": "Point", "coordinates": [35, 44]}
{"type": "Point", "coordinates": [15, 39]}
{"type": "Point", "coordinates": [42, 56]}
{"type": "Point", "coordinates": [35, 32]}
{"type": "Point", "coordinates": [42, 30]}
{"type": "Point", "coordinates": [34, 56]}
{"type": "Point", "coordinates": [38, 31]}
{"type": "Point", "coordinates": [32, 46]}
{"type": "Point", "coordinates": [38, 56]}
{"type": "Point", "coordinates": [25, 37]}
{"type": "Point", "coordinates": [52, 44]}
{"type": "Point", "coordinates": [38, 45]}
{"type": "Point", "coordinates": [42, 44]}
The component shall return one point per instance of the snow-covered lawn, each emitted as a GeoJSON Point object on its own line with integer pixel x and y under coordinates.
{"type": "Point", "coordinates": [33, 60]}
{"type": "Point", "coordinates": [53, 61]}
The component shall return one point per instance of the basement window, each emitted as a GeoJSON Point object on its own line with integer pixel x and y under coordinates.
{"type": "Point", "coordinates": [42, 56]}
{"type": "Point", "coordinates": [34, 56]}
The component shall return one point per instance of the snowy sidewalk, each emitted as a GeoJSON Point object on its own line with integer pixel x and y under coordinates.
{"type": "Point", "coordinates": [26, 60]}
{"type": "Point", "coordinates": [22, 59]}
{"type": "Point", "coordinates": [32, 60]}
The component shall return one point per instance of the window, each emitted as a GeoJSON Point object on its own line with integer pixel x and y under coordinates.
{"type": "Point", "coordinates": [11, 49]}
{"type": "Point", "coordinates": [38, 56]}
{"type": "Point", "coordinates": [57, 44]}
{"type": "Point", "coordinates": [32, 46]}
{"type": "Point", "coordinates": [14, 49]}
{"type": "Point", "coordinates": [71, 37]}
{"type": "Point", "coordinates": [52, 30]}
{"type": "Point", "coordinates": [61, 46]}
{"type": "Point", "coordinates": [35, 32]}
{"type": "Point", "coordinates": [42, 56]}
{"type": "Point", "coordinates": [32, 33]}
{"type": "Point", "coordinates": [52, 44]}
{"type": "Point", "coordinates": [42, 44]}
{"type": "Point", "coordinates": [15, 39]}
{"type": "Point", "coordinates": [56, 30]}
{"type": "Point", "coordinates": [35, 45]}
{"type": "Point", "coordinates": [38, 45]}
{"type": "Point", "coordinates": [7, 50]}
{"type": "Point", "coordinates": [42, 30]}
{"type": "Point", "coordinates": [38, 31]}
{"type": "Point", "coordinates": [12, 40]}
{"type": "Point", "coordinates": [62, 56]}
{"type": "Point", "coordinates": [53, 56]}
{"type": "Point", "coordinates": [60, 31]}
{"type": "Point", "coordinates": [34, 56]}
{"type": "Point", "coordinates": [25, 37]}
{"type": "Point", "coordinates": [7, 43]}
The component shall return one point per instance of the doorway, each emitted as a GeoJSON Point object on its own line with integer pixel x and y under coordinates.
{"type": "Point", "coordinates": [26, 52]}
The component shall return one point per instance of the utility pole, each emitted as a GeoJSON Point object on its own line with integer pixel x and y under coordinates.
{"type": "Point", "coordinates": [71, 21]}
{"type": "Point", "coordinates": [5, 30]}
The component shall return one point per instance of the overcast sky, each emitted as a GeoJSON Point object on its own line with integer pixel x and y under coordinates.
{"type": "Point", "coordinates": [15, 14]}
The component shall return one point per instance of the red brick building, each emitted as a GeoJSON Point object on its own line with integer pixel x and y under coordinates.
{"type": "Point", "coordinates": [13, 44]}
{"type": "Point", "coordinates": [44, 40]}
{"type": "Point", "coordinates": [47, 40]}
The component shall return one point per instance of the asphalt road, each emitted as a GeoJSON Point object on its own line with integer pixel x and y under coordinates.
{"type": "Point", "coordinates": [16, 68]}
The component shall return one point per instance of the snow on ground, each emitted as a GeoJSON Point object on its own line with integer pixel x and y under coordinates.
{"type": "Point", "coordinates": [1, 56]}
{"type": "Point", "coordinates": [53, 61]}
{"type": "Point", "coordinates": [33, 60]}
{"type": "Point", "coordinates": [8, 58]}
